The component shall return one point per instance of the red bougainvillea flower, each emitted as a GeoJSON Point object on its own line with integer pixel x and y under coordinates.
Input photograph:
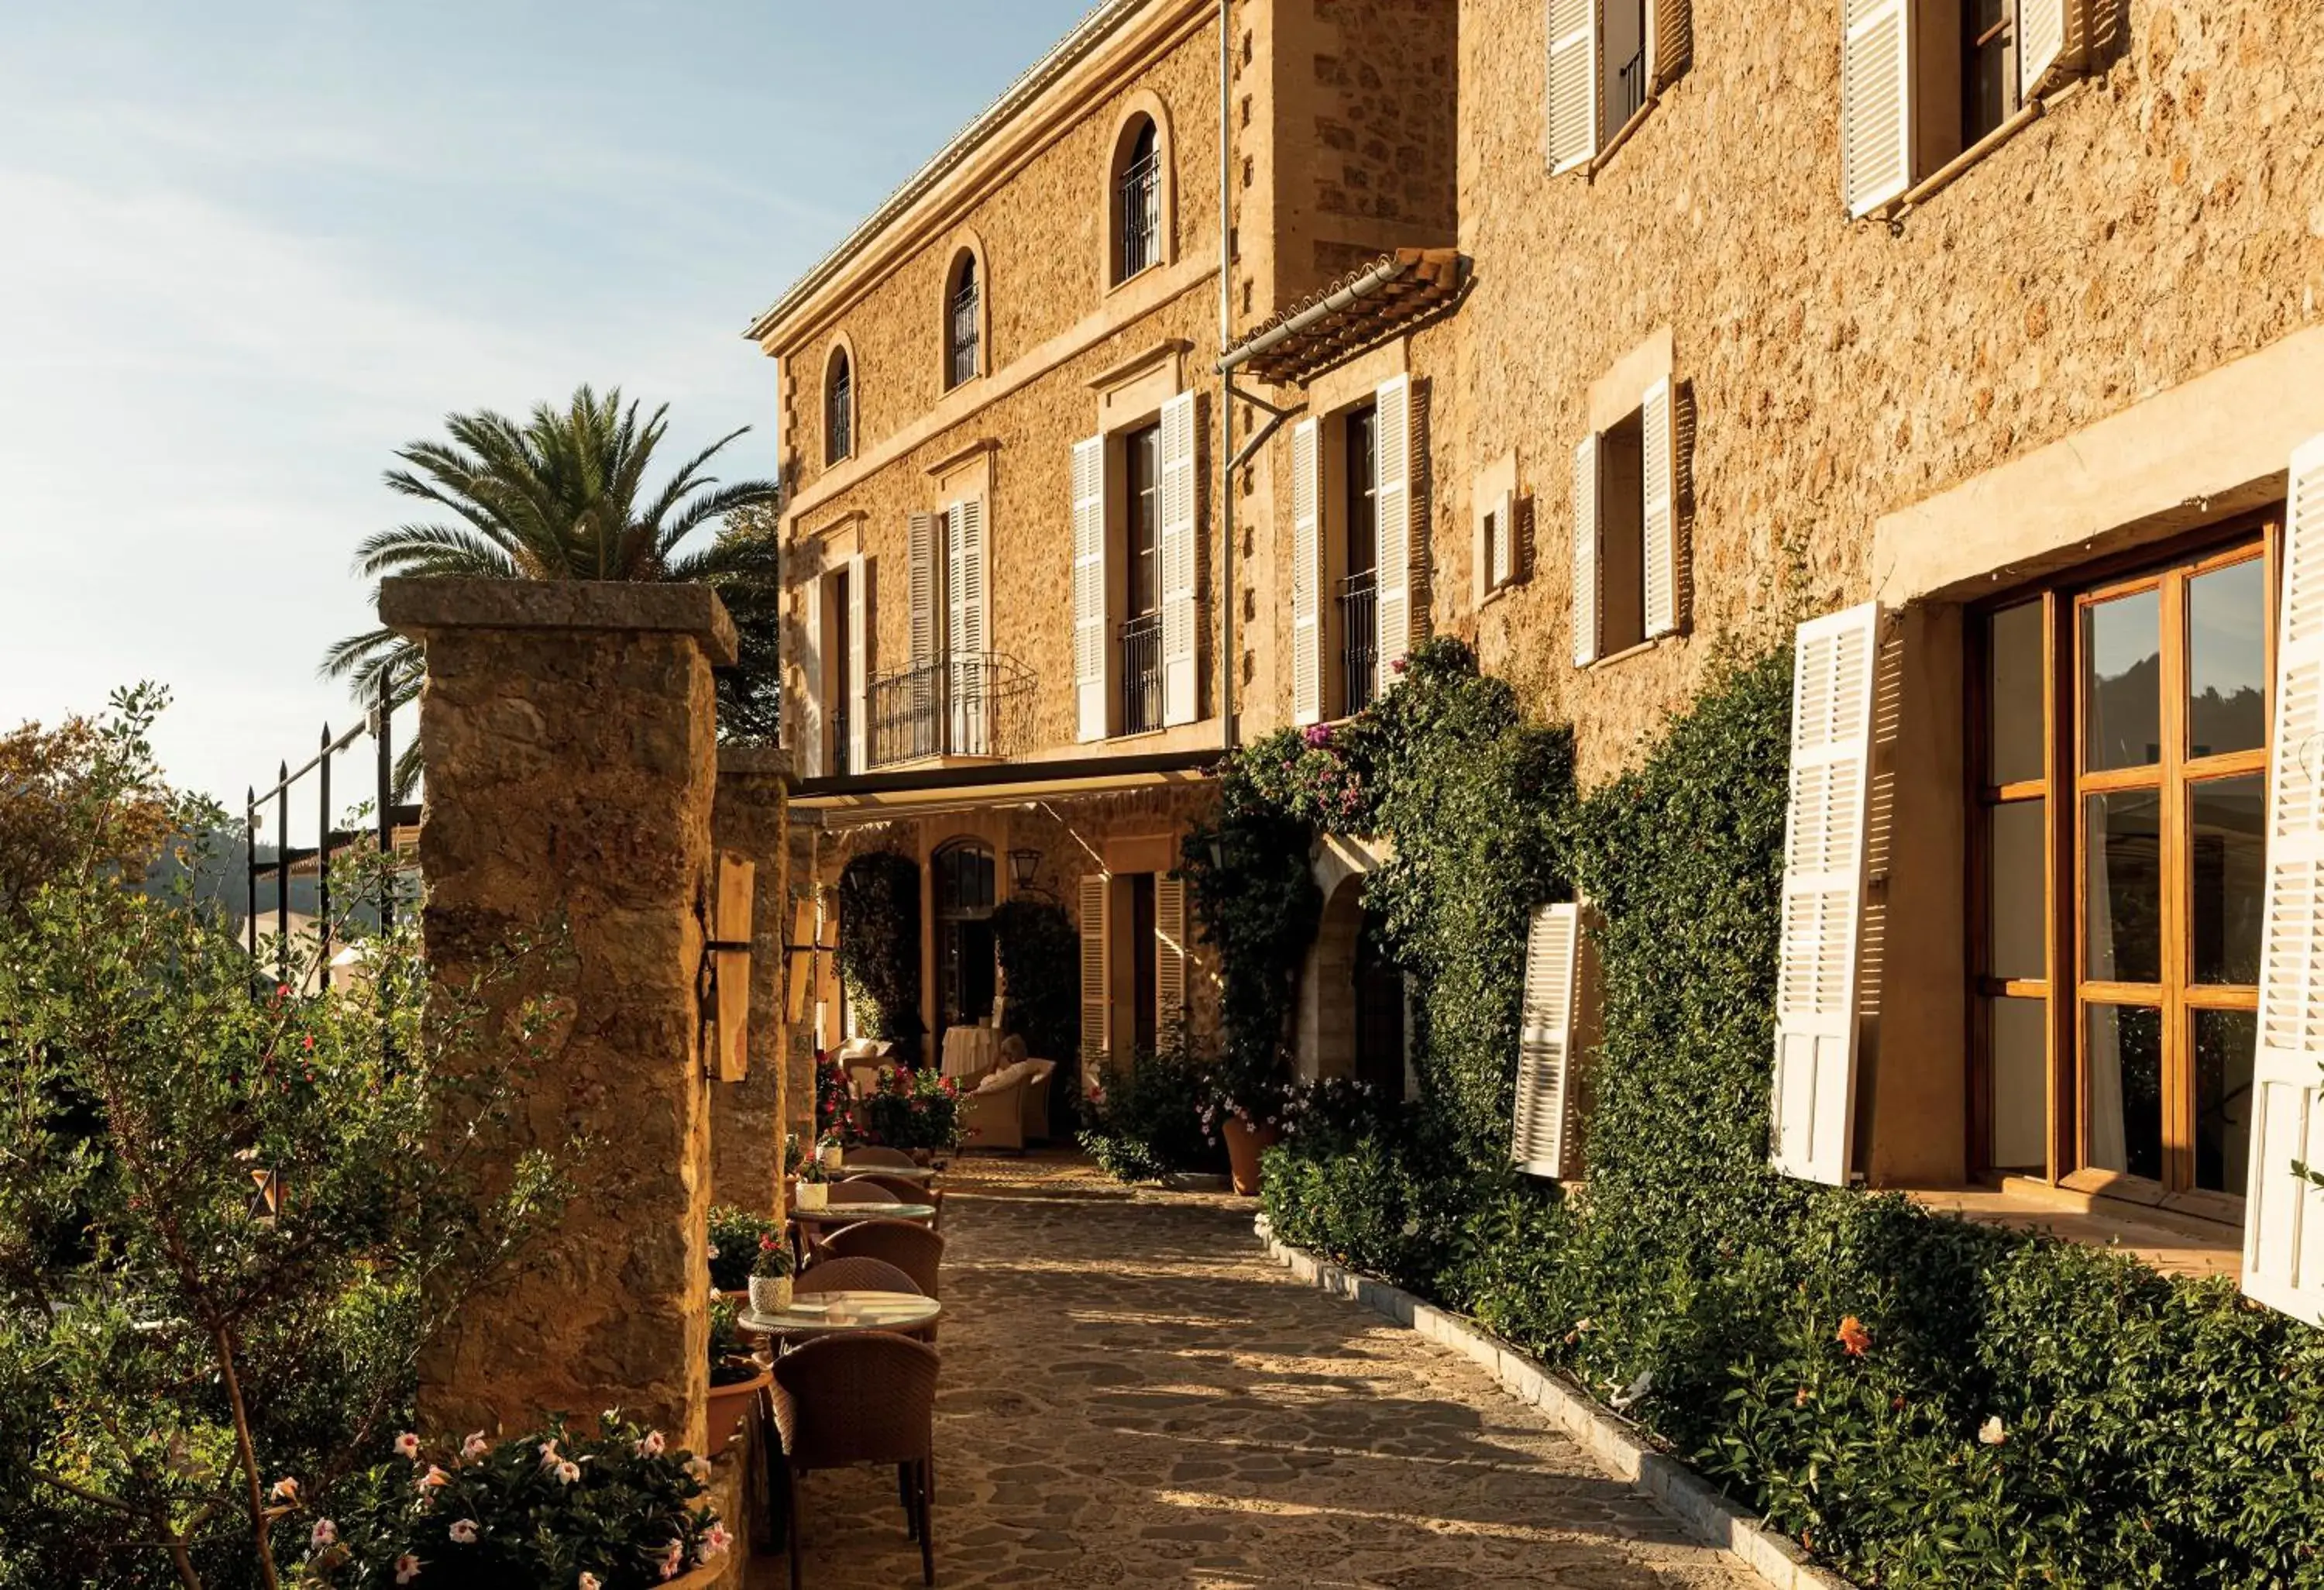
{"type": "Point", "coordinates": [1854, 1337]}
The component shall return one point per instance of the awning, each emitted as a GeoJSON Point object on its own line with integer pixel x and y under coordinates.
{"type": "Point", "coordinates": [850, 801]}
{"type": "Point", "coordinates": [1359, 311]}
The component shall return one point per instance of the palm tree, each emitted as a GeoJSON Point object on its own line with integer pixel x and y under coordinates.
{"type": "Point", "coordinates": [563, 496]}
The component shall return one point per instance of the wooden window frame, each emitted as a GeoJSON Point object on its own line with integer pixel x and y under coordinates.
{"type": "Point", "coordinates": [2064, 784]}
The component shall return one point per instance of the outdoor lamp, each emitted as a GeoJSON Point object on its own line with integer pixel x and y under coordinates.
{"type": "Point", "coordinates": [1022, 866]}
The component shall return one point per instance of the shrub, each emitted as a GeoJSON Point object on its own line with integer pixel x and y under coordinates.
{"type": "Point", "coordinates": [734, 1237]}
{"type": "Point", "coordinates": [908, 1109]}
{"type": "Point", "coordinates": [880, 946]}
{"type": "Point", "coordinates": [1145, 1120]}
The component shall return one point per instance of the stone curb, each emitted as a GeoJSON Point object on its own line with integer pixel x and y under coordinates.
{"type": "Point", "coordinates": [1683, 1494]}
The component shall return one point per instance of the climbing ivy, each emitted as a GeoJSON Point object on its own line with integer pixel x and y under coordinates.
{"type": "Point", "coordinates": [1922, 1401]}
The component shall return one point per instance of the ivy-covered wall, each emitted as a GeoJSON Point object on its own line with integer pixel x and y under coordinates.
{"type": "Point", "coordinates": [1921, 1402]}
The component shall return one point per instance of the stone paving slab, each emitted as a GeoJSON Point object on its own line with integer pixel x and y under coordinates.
{"type": "Point", "coordinates": [1134, 1394]}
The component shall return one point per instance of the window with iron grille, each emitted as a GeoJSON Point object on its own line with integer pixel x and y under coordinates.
{"type": "Point", "coordinates": [1360, 590]}
{"type": "Point", "coordinates": [1141, 633]}
{"type": "Point", "coordinates": [839, 410]}
{"type": "Point", "coordinates": [1137, 197]}
{"type": "Point", "coordinates": [962, 328]}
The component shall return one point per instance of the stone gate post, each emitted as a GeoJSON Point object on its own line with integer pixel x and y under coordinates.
{"type": "Point", "coordinates": [568, 731]}
{"type": "Point", "coordinates": [746, 1118]}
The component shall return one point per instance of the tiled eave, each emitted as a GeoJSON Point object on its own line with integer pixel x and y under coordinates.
{"type": "Point", "coordinates": [1359, 311]}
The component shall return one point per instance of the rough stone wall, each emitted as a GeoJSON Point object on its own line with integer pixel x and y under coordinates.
{"type": "Point", "coordinates": [747, 1118]}
{"type": "Point", "coordinates": [570, 772]}
{"type": "Point", "coordinates": [2159, 221]}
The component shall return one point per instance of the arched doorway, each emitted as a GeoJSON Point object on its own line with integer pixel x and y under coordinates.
{"type": "Point", "coordinates": [1379, 1015]}
{"type": "Point", "coordinates": [965, 982]}
{"type": "Point", "coordinates": [1351, 997]}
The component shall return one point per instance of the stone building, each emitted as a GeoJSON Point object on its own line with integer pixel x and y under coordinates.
{"type": "Point", "coordinates": [1967, 348]}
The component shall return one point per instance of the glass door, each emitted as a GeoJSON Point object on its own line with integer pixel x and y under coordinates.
{"type": "Point", "coordinates": [2169, 751]}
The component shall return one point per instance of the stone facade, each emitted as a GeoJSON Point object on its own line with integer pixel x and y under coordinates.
{"type": "Point", "coordinates": [569, 731]}
{"type": "Point", "coordinates": [747, 1119]}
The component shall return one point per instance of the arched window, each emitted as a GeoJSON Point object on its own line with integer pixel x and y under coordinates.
{"type": "Point", "coordinates": [964, 312]}
{"type": "Point", "coordinates": [1137, 202]}
{"type": "Point", "coordinates": [838, 408]}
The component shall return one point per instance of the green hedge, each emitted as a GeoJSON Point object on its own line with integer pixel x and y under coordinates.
{"type": "Point", "coordinates": [2150, 1431]}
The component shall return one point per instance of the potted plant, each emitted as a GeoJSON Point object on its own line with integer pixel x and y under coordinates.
{"type": "Point", "coordinates": [814, 1188]}
{"type": "Point", "coordinates": [618, 1511]}
{"type": "Point", "coordinates": [917, 1111]}
{"type": "Point", "coordinates": [734, 1237]}
{"type": "Point", "coordinates": [736, 1378]}
{"type": "Point", "coordinates": [829, 1150]}
{"type": "Point", "coordinates": [771, 1275]}
{"type": "Point", "coordinates": [1245, 1110]}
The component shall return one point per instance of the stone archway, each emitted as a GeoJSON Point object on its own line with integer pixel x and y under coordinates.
{"type": "Point", "coordinates": [1327, 1013]}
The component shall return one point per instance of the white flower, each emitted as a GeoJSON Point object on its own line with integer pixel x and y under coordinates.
{"type": "Point", "coordinates": [652, 1445]}
{"type": "Point", "coordinates": [712, 1250]}
{"type": "Point", "coordinates": [407, 1445]}
{"type": "Point", "coordinates": [550, 1456]}
{"type": "Point", "coordinates": [587, 1582]}
{"type": "Point", "coordinates": [568, 1472]}
{"type": "Point", "coordinates": [476, 1446]}
{"type": "Point", "coordinates": [697, 1468]}
{"type": "Point", "coordinates": [285, 1490]}
{"type": "Point", "coordinates": [463, 1531]}
{"type": "Point", "coordinates": [1991, 1433]}
{"type": "Point", "coordinates": [327, 1533]}
{"type": "Point", "coordinates": [715, 1540]}
{"type": "Point", "coordinates": [672, 1555]}
{"type": "Point", "coordinates": [407, 1568]}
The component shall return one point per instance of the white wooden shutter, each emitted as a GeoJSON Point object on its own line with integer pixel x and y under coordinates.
{"type": "Point", "coordinates": [1572, 110]}
{"type": "Point", "coordinates": [860, 608]}
{"type": "Point", "coordinates": [1097, 971]}
{"type": "Point", "coordinates": [1541, 1139]}
{"type": "Point", "coordinates": [1392, 538]}
{"type": "Point", "coordinates": [1659, 522]}
{"type": "Point", "coordinates": [1875, 103]}
{"type": "Point", "coordinates": [1823, 891]}
{"type": "Point", "coordinates": [1668, 27]}
{"type": "Point", "coordinates": [1170, 952]}
{"type": "Point", "coordinates": [812, 596]}
{"type": "Point", "coordinates": [1090, 696]}
{"type": "Point", "coordinates": [2283, 1211]}
{"type": "Point", "coordinates": [1181, 671]}
{"type": "Point", "coordinates": [1504, 540]}
{"type": "Point", "coordinates": [1306, 578]}
{"type": "Point", "coordinates": [964, 630]}
{"type": "Point", "coordinates": [921, 738]}
{"type": "Point", "coordinates": [2047, 37]}
{"type": "Point", "coordinates": [1585, 551]}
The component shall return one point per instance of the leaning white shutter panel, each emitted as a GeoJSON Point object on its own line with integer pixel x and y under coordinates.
{"type": "Point", "coordinates": [1541, 1139]}
{"type": "Point", "coordinates": [1392, 539]}
{"type": "Point", "coordinates": [1823, 892]}
{"type": "Point", "coordinates": [812, 596]}
{"type": "Point", "coordinates": [2047, 32]}
{"type": "Point", "coordinates": [1875, 103]}
{"type": "Point", "coordinates": [1659, 522]}
{"type": "Point", "coordinates": [1307, 580]}
{"type": "Point", "coordinates": [1170, 952]}
{"type": "Point", "coordinates": [1585, 551]}
{"type": "Point", "coordinates": [1181, 674]}
{"type": "Point", "coordinates": [860, 608]}
{"type": "Point", "coordinates": [1097, 1002]}
{"type": "Point", "coordinates": [1089, 587]}
{"type": "Point", "coordinates": [1572, 83]}
{"type": "Point", "coordinates": [2283, 1211]}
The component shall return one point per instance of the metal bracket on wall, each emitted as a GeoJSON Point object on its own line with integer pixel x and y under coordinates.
{"type": "Point", "coordinates": [1275, 414]}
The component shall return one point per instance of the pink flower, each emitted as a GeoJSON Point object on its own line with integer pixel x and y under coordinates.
{"type": "Point", "coordinates": [550, 1456]}
{"type": "Point", "coordinates": [586, 1582]}
{"type": "Point", "coordinates": [326, 1534]}
{"type": "Point", "coordinates": [672, 1555]}
{"type": "Point", "coordinates": [285, 1490]}
{"type": "Point", "coordinates": [464, 1532]}
{"type": "Point", "coordinates": [569, 1472]}
{"type": "Point", "coordinates": [407, 1445]}
{"type": "Point", "coordinates": [715, 1540]}
{"type": "Point", "coordinates": [407, 1568]}
{"type": "Point", "coordinates": [651, 1447]}
{"type": "Point", "coordinates": [476, 1446]}
{"type": "Point", "coordinates": [434, 1479]}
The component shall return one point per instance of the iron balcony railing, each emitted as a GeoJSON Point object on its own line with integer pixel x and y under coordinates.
{"type": "Point", "coordinates": [1141, 215]}
{"type": "Point", "coordinates": [963, 335]}
{"type": "Point", "coordinates": [969, 705]}
{"type": "Point", "coordinates": [1358, 640]}
{"type": "Point", "coordinates": [1141, 674]}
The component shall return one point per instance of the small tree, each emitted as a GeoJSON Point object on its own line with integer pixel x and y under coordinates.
{"type": "Point", "coordinates": [879, 944]}
{"type": "Point", "coordinates": [232, 1215]}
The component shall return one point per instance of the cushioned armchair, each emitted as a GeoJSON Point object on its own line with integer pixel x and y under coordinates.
{"type": "Point", "coordinates": [995, 1110]}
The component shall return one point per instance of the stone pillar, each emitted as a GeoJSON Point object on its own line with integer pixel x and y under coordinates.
{"type": "Point", "coordinates": [746, 1118]}
{"type": "Point", "coordinates": [810, 859]}
{"type": "Point", "coordinates": [569, 736]}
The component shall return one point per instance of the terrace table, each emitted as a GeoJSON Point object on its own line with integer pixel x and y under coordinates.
{"type": "Point", "coordinates": [826, 1314]}
{"type": "Point", "coordinates": [902, 1172]}
{"type": "Point", "coordinates": [849, 1214]}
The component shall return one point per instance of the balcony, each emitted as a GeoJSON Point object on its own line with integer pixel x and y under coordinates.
{"type": "Point", "coordinates": [978, 705]}
{"type": "Point", "coordinates": [1141, 674]}
{"type": "Point", "coordinates": [1359, 642]}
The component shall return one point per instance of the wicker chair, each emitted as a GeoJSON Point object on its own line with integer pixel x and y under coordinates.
{"type": "Point", "coordinates": [869, 1158]}
{"type": "Point", "coordinates": [907, 1191]}
{"type": "Point", "coordinates": [910, 1247]}
{"type": "Point", "coordinates": [856, 1191]}
{"type": "Point", "coordinates": [861, 1274]}
{"type": "Point", "coordinates": [859, 1399]}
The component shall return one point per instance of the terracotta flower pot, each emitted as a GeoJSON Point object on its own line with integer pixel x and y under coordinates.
{"type": "Point", "coordinates": [727, 1406]}
{"type": "Point", "coordinates": [770, 1294]}
{"type": "Point", "coordinates": [1245, 1143]}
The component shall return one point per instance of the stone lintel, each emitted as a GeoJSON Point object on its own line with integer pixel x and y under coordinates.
{"type": "Point", "coordinates": [418, 606]}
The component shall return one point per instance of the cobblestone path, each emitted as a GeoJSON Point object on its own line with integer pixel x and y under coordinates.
{"type": "Point", "coordinates": [1133, 1395]}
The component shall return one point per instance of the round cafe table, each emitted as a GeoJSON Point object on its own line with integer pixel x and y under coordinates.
{"type": "Point", "coordinates": [901, 1172]}
{"type": "Point", "coordinates": [849, 1214]}
{"type": "Point", "coordinates": [826, 1314]}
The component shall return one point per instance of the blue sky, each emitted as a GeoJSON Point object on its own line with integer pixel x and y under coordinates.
{"type": "Point", "coordinates": [246, 251]}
